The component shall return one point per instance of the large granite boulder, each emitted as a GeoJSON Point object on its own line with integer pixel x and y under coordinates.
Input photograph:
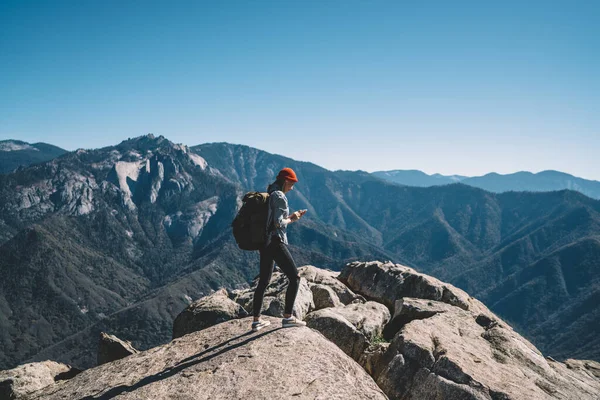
{"type": "Point", "coordinates": [111, 348]}
{"type": "Point", "coordinates": [408, 309]}
{"type": "Point", "coordinates": [456, 354]}
{"type": "Point", "coordinates": [227, 361]}
{"type": "Point", "coordinates": [274, 300]}
{"type": "Point", "coordinates": [207, 311]}
{"type": "Point", "coordinates": [446, 344]}
{"type": "Point", "coordinates": [352, 327]}
{"type": "Point", "coordinates": [388, 282]}
{"type": "Point", "coordinates": [22, 381]}
{"type": "Point", "coordinates": [324, 296]}
{"type": "Point", "coordinates": [314, 275]}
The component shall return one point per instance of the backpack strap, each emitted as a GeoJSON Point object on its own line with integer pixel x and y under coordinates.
{"type": "Point", "coordinates": [270, 222]}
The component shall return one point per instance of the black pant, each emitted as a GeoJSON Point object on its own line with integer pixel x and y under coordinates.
{"type": "Point", "coordinates": [278, 252]}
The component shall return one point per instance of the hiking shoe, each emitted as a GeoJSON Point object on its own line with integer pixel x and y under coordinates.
{"type": "Point", "coordinates": [258, 325]}
{"type": "Point", "coordinates": [291, 322]}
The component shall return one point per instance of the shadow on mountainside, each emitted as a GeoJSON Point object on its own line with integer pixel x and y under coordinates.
{"type": "Point", "coordinates": [183, 364]}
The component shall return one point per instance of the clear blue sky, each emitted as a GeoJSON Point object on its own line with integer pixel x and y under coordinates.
{"type": "Point", "coordinates": [456, 87]}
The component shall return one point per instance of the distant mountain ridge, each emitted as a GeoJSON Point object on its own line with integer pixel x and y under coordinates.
{"type": "Point", "coordinates": [418, 178]}
{"type": "Point", "coordinates": [522, 181]}
{"type": "Point", "coordinates": [540, 182]}
{"type": "Point", "coordinates": [15, 153]}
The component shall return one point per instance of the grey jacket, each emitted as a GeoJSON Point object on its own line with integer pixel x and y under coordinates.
{"type": "Point", "coordinates": [277, 214]}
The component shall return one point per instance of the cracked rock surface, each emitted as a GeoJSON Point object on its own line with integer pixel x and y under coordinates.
{"type": "Point", "coordinates": [447, 345]}
{"type": "Point", "coordinates": [417, 338]}
{"type": "Point", "coordinates": [228, 361]}
{"type": "Point", "coordinates": [19, 382]}
{"type": "Point", "coordinates": [388, 282]}
{"type": "Point", "coordinates": [274, 300]}
{"type": "Point", "coordinates": [318, 276]}
{"type": "Point", "coordinates": [112, 348]}
{"type": "Point", "coordinates": [207, 311]}
{"type": "Point", "coordinates": [450, 355]}
{"type": "Point", "coordinates": [353, 327]}
{"type": "Point", "coordinates": [324, 296]}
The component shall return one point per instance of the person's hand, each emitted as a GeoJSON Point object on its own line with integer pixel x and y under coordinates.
{"type": "Point", "coordinates": [297, 215]}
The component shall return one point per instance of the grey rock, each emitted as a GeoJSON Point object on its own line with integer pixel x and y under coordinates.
{"type": "Point", "coordinates": [157, 180]}
{"type": "Point", "coordinates": [590, 367]}
{"type": "Point", "coordinates": [111, 348]}
{"type": "Point", "coordinates": [20, 382]}
{"type": "Point", "coordinates": [304, 300]}
{"type": "Point", "coordinates": [408, 309]}
{"type": "Point", "coordinates": [76, 193]}
{"type": "Point", "coordinates": [373, 358]}
{"type": "Point", "coordinates": [207, 311]}
{"type": "Point", "coordinates": [338, 330]}
{"type": "Point", "coordinates": [353, 327]}
{"type": "Point", "coordinates": [191, 221]}
{"type": "Point", "coordinates": [329, 278]}
{"type": "Point", "coordinates": [452, 355]}
{"type": "Point", "coordinates": [243, 297]}
{"type": "Point", "coordinates": [388, 282]}
{"type": "Point", "coordinates": [324, 296]}
{"type": "Point", "coordinates": [228, 361]}
{"type": "Point", "coordinates": [67, 192]}
{"type": "Point", "coordinates": [274, 300]}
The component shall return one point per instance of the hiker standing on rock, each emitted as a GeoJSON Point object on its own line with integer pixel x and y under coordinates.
{"type": "Point", "coordinates": [276, 250]}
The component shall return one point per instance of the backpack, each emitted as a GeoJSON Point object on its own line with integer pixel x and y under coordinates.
{"type": "Point", "coordinates": [250, 224]}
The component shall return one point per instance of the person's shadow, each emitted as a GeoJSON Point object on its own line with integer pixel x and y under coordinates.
{"type": "Point", "coordinates": [181, 365]}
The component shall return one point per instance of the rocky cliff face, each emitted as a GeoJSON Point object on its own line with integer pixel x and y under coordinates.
{"type": "Point", "coordinates": [416, 338]}
{"type": "Point", "coordinates": [92, 233]}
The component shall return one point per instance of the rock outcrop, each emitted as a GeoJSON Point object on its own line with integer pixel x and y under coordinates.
{"type": "Point", "coordinates": [590, 367]}
{"type": "Point", "coordinates": [417, 338]}
{"type": "Point", "coordinates": [452, 355]}
{"type": "Point", "coordinates": [207, 311]}
{"type": "Point", "coordinates": [324, 296]}
{"type": "Point", "coordinates": [317, 276]}
{"type": "Point", "coordinates": [447, 345]}
{"type": "Point", "coordinates": [22, 381]}
{"type": "Point", "coordinates": [228, 361]}
{"type": "Point", "coordinates": [409, 309]}
{"type": "Point", "coordinates": [352, 327]}
{"type": "Point", "coordinates": [111, 348]}
{"type": "Point", "coordinates": [438, 343]}
{"type": "Point", "coordinates": [388, 282]}
{"type": "Point", "coordinates": [274, 300]}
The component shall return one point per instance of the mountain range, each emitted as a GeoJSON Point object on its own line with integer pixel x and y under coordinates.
{"type": "Point", "coordinates": [16, 153]}
{"type": "Point", "coordinates": [122, 238]}
{"type": "Point", "coordinates": [544, 181]}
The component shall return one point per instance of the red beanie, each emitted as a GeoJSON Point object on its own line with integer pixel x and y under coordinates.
{"type": "Point", "coordinates": [287, 173]}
